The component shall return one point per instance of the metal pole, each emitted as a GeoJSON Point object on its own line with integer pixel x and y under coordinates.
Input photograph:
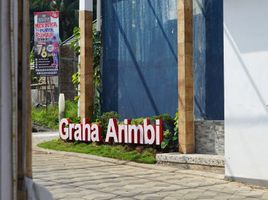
{"type": "Point", "coordinates": [99, 21]}
{"type": "Point", "coordinates": [46, 94]}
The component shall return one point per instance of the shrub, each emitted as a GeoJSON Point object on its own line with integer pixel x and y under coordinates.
{"type": "Point", "coordinates": [104, 120]}
{"type": "Point", "coordinates": [170, 128]}
{"type": "Point", "coordinates": [46, 117]}
{"type": "Point", "coordinates": [170, 139]}
{"type": "Point", "coordinates": [49, 117]}
{"type": "Point", "coordinates": [71, 111]}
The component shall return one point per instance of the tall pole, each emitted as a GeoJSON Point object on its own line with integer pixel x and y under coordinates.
{"type": "Point", "coordinates": [46, 94]}
{"type": "Point", "coordinates": [86, 59]}
{"type": "Point", "coordinates": [99, 15]}
{"type": "Point", "coordinates": [24, 129]}
{"type": "Point", "coordinates": [7, 103]}
{"type": "Point", "coordinates": [185, 76]}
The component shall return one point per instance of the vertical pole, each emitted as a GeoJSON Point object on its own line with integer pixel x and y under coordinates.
{"type": "Point", "coordinates": [24, 150]}
{"type": "Point", "coordinates": [86, 59]}
{"type": "Point", "coordinates": [51, 90]}
{"type": "Point", "coordinates": [7, 102]}
{"type": "Point", "coordinates": [61, 106]}
{"type": "Point", "coordinates": [46, 94]}
{"type": "Point", "coordinates": [27, 83]}
{"type": "Point", "coordinates": [98, 15]}
{"type": "Point", "coordinates": [185, 76]}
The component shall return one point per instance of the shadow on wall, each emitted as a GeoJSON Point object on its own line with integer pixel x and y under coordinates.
{"type": "Point", "coordinates": [236, 49]}
{"type": "Point", "coordinates": [208, 59]}
{"type": "Point", "coordinates": [258, 40]}
{"type": "Point", "coordinates": [250, 41]}
{"type": "Point", "coordinates": [140, 62]}
{"type": "Point", "coordinates": [246, 59]}
{"type": "Point", "coordinates": [140, 66]}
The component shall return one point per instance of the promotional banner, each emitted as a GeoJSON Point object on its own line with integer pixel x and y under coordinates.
{"type": "Point", "coordinates": [46, 38]}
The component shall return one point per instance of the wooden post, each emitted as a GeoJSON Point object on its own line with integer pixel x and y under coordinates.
{"type": "Point", "coordinates": [27, 91]}
{"type": "Point", "coordinates": [24, 129]}
{"type": "Point", "coordinates": [185, 76]}
{"type": "Point", "coordinates": [86, 59]}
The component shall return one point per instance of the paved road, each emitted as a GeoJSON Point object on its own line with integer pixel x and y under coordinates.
{"type": "Point", "coordinates": [72, 177]}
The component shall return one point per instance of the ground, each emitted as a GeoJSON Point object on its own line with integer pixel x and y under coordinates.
{"type": "Point", "coordinates": [71, 176]}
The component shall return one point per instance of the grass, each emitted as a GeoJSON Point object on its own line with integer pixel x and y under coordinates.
{"type": "Point", "coordinates": [120, 152]}
{"type": "Point", "coordinates": [49, 117]}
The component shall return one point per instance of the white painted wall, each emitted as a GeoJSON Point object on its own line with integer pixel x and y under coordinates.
{"type": "Point", "coordinates": [246, 88]}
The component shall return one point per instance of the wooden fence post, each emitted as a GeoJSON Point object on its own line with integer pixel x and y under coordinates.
{"type": "Point", "coordinates": [86, 59]}
{"type": "Point", "coordinates": [185, 76]}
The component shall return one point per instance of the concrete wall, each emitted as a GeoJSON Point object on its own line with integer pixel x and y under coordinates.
{"type": "Point", "coordinates": [246, 92]}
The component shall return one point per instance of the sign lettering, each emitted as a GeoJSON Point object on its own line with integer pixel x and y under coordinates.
{"type": "Point", "coordinates": [125, 133]}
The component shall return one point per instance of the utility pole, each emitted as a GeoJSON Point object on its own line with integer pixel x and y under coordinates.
{"type": "Point", "coordinates": [185, 77]}
{"type": "Point", "coordinates": [86, 59]}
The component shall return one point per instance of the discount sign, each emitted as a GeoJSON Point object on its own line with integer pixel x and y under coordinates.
{"type": "Point", "coordinates": [46, 38]}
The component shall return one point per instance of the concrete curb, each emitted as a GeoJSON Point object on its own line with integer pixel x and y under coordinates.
{"type": "Point", "coordinates": [192, 159]}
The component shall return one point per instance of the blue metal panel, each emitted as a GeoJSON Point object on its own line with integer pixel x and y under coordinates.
{"type": "Point", "coordinates": [199, 67]}
{"type": "Point", "coordinates": [140, 58]}
{"type": "Point", "coordinates": [214, 60]}
{"type": "Point", "coordinates": [208, 59]}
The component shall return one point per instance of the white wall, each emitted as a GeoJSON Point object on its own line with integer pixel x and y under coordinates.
{"type": "Point", "coordinates": [246, 88]}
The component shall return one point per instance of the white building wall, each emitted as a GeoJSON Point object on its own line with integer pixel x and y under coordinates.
{"type": "Point", "coordinates": [246, 89]}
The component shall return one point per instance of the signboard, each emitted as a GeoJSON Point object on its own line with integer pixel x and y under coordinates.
{"type": "Point", "coordinates": [46, 39]}
{"type": "Point", "coordinates": [123, 133]}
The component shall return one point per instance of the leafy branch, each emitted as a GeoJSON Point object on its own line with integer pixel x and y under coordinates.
{"type": "Point", "coordinates": [97, 49]}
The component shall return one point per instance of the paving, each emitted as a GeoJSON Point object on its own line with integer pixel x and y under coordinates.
{"type": "Point", "coordinates": [71, 176]}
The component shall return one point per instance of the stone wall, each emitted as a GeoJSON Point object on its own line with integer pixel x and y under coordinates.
{"type": "Point", "coordinates": [209, 137]}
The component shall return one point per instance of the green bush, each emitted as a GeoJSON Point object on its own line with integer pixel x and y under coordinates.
{"type": "Point", "coordinates": [170, 130]}
{"type": "Point", "coordinates": [49, 117]}
{"type": "Point", "coordinates": [104, 120]}
{"type": "Point", "coordinates": [46, 117]}
{"type": "Point", "coordinates": [71, 111]}
{"type": "Point", "coordinates": [170, 135]}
